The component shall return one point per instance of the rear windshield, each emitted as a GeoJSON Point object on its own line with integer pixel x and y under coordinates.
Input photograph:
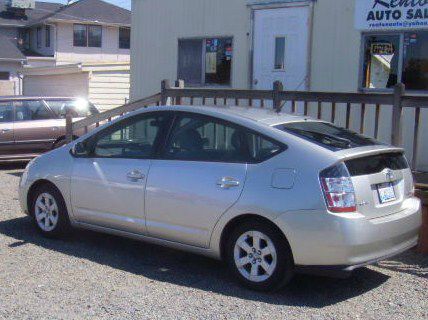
{"type": "Point", "coordinates": [79, 108]}
{"type": "Point", "coordinates": [327, 135]}
{"type": "Point", "coordinates": [376, 163]}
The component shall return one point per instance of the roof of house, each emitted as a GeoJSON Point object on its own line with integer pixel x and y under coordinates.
{"type": "Point", "coordinates": [87, 11]}
{"type": "Point", "coordinates": [96, 11]}
{"type": "Point", "coordinates": [41, 10]}
{"type": "Point", "coordinates": [9, 51]}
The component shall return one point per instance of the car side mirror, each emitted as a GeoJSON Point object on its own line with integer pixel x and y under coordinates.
{"type": "Point", "coordinates": [79, 150]}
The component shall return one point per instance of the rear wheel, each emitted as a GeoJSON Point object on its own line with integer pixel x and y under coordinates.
{"type": "Point", "coordinates": [49, 211]}
{"type": "Point", "coordinates": [259, 256]}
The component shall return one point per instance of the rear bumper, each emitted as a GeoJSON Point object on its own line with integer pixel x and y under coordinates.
{"type": "Point", "coordinates": [323, 241]}
{"type": "Point", "coordinates": [338, 271]}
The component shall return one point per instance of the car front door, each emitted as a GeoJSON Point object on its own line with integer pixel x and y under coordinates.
{"type": "Point", "coordinates": [36, 127]}
{"type": "Point", "coordinates": [107, 185]}
{"type": "Point", "coordinates": [200, 176]}
{"type": "Point", "coordinates": [6, 129]}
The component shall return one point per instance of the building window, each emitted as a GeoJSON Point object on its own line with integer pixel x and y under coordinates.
{"type": "Point", "coordinates": [87, 36]}
{"type": "Point", "coordinates": [39, 37]}
{"type": "Point", "coordinates": [124, 38]}
{"type": "Point", "coordinates": [94, 36]}
{"type": "Point", "coordinates": [279, 53]}
{"type": "Point", "coordinates": [80, 37]}
{"type": "Point", "coordinates": [396, 57]}
{"type": "Point", "coordinates": [4, 75]}
{"type": "Point", "coordinates": [48, 36]}
{"type": "Point", "coordinates": [205, 61]}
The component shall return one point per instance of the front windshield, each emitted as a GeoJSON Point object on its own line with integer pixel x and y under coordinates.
{"type": "Point", "coordinates": [327, 135]}
{"type": "Point", "coordinates": [79, 108]}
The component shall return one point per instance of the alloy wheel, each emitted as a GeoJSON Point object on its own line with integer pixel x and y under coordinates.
{"type": "Point", "coordinates": [255, 256]}
{"type": "Point", "coordinates": [46, 212]}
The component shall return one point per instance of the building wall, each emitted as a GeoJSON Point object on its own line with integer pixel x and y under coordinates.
{"type": "Point", "coordinates": [109, 52]}
{"type": "Point", "coordinates": [108, 89]}
{"type": "Point", "coordinates": [160, 24]}
{"type": "Point", "coordinates": [43, 50]}
{"type": "Point", "coordinates": [10, 32]}
{"type": "Point", "coordinates": [335, 57]}
{"type": "Point", "coordinates": [13, 68]}
{"type": "Point", "coordinates": [62, 85]}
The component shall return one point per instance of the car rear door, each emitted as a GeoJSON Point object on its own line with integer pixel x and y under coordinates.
{"type": "Point", "coordinates": [107, 186]}
{"type": "Point", "coordinates": [36, 128]}
{"type": "Point", "coordinates": [6, 128]}
{"type": "Point", "coordinates": [200, 176]}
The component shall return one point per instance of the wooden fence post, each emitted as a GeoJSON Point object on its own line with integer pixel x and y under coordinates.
{"type": "Point", "coordinates": [68, 127]}
{"type": "Point", "coordinates": [179, 84]}
{"type": "Point", "coordinates": [397, 111]}
{"type": "Point", "coordinates": [164, 98]}
{"type": "Point", "coordinates": [277, 87]}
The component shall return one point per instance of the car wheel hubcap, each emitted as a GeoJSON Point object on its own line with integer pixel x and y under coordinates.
{"type": "Point", "coordinates": [255, 256]}
{"type": "Point", "coordinates": [46, 212]}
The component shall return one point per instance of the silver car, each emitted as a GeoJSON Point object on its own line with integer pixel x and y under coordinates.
{"type": "Point", "coordinates": [271, 194]}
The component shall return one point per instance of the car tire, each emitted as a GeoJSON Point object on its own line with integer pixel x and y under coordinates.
{"type": "Point", "coordinates": [49, 212]}
{"type": "Point", "coordinates": [248, 261]}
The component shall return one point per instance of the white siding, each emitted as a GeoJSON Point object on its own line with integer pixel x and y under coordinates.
{"type": "Point", "coordinates": [13, 68]}
{"type": "Point", "coordinates": [157, 26]}
{"type": "Point", "coordinates": [109, 89]}
{"type": "Point", "coordinates": [336, 46]}
{"type": "Point", "coordinates": [67, 85]}
{"type": "Point", "coordinates": [334, 57]}
{"type": "Point", "coordinates": [109, 52]}
{"type": "Point", "coordinates": [43, 50]}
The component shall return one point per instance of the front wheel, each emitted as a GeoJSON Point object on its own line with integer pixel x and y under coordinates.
{"type": "Point", "coordinates": [49, 211]}
{"type": "Point", "coordinates": [259, 256]}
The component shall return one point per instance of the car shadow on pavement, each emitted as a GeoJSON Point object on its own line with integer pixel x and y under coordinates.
{"type": "Point", "coordinates": [408, 262]}
{"type": "Point", "coordinates": [184, 269]}
{"type": "Point", "coordinates": [11, 167]}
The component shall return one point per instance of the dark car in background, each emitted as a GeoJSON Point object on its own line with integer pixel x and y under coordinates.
{"type": "Point", "coordinates": [31, 126]}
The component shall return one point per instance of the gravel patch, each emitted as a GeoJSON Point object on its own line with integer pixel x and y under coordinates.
{"type": "Point", "coordinates": [98, 276]}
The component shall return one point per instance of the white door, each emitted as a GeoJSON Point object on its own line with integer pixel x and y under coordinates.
{"type": "Point", "coordinates": [281, 38]}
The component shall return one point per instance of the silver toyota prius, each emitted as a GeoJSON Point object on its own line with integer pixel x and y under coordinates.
{"type": "Point", "coordinates": [270, 194]}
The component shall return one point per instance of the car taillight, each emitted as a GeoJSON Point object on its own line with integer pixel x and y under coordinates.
{"type": "Point", "coordinates": [338, 189]}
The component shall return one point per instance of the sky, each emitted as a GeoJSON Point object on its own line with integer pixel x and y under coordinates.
{"type": "Point", "coordinates": [123, 3]}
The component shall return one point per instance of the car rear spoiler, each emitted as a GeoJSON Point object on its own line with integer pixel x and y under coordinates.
{"type": "Point", "coordinates": [367, 151]}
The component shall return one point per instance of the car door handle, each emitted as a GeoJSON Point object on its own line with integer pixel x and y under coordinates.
{"type": "Point", "coordinates": [227, 183]}
{"type": "Point", "coordinates": [135, 175]}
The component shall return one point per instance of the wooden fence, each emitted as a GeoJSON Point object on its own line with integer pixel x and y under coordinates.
{"type": "Point", "coordinates": [321, 105]}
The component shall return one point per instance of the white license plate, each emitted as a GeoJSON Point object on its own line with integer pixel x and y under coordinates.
{"type": "Point", "coordinates": [386, 192]}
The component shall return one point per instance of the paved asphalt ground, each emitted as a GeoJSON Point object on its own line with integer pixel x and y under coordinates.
{"type": "Point", "coordinates": [97, 276]}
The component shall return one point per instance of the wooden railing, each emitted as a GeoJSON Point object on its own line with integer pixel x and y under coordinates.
{"type": "Point", "coordinates": [350, 110]}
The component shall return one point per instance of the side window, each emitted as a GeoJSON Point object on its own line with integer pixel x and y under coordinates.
{"type": "Point", "coordinates": [6, 112]}
{"type": "Point", "coordinates": [262, 149]}
{"type": "Point", "coordinates": [133, 139]}
{"type": "Point", "coordinates": [31, 110]}
{"type": "Point", "coordinates": [79, 108]}
{"type": "Point", "coordinates": [198, 138]}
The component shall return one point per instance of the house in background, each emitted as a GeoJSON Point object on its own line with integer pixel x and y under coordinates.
{"type": "Point", "coordinates": [82, 49]}
{"type": "Point", "coordinates": [11, 60]}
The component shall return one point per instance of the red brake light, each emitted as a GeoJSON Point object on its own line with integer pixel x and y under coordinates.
{"type": "Point", "coordinates": [338, 189]}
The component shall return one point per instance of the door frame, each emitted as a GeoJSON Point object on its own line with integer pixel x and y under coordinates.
{"type": "Point", "coordinates": [256, 7]}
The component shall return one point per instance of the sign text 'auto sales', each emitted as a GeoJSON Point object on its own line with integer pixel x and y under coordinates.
{"type": "Point", "coordinates": [391, 14]}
